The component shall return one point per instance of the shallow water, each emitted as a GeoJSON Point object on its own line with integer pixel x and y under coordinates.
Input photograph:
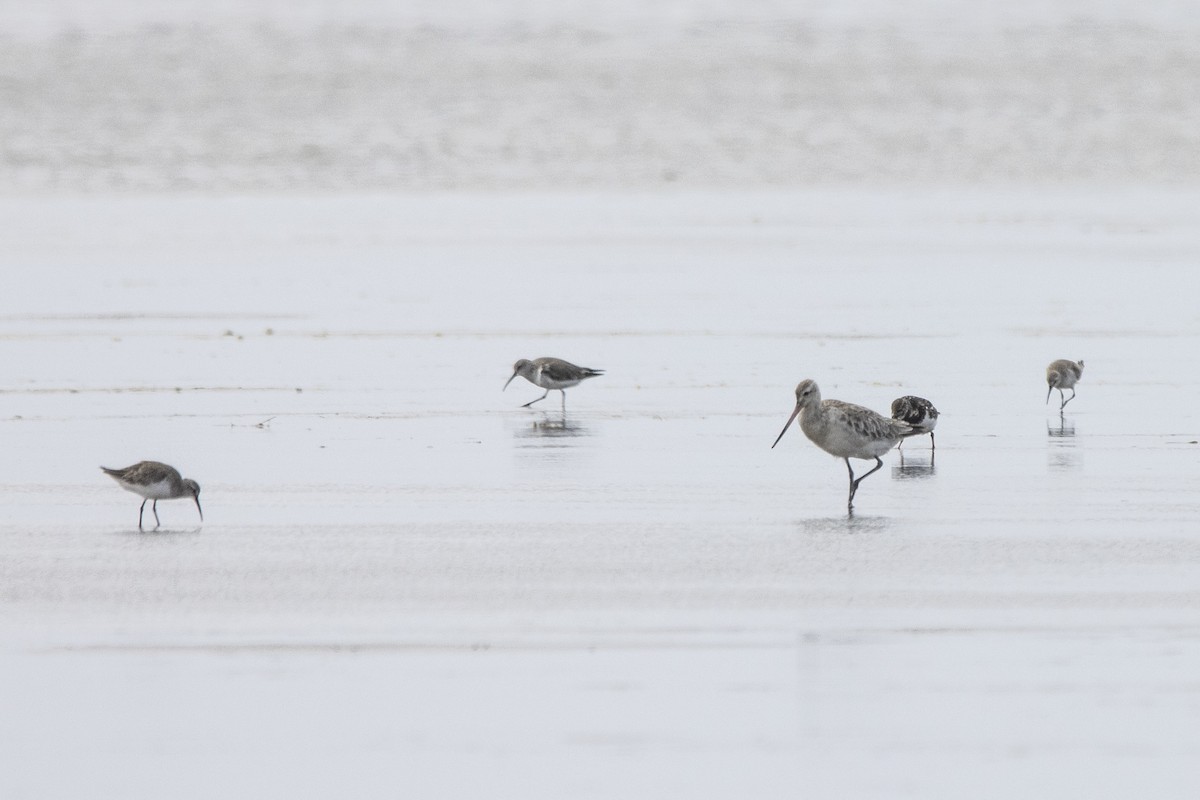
{"type": "Point", "coordinates": [405, 580]}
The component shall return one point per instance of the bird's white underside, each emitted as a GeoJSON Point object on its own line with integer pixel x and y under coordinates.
{"type": "Point", "coordinates": [546, 382]}
{"type": "Point", "coordinates": [160, 490]}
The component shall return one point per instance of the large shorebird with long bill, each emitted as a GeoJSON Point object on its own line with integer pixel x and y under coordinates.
{"type": "Point", "coordinates": [845, 430]}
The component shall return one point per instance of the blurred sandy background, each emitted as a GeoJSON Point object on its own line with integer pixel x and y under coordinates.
{"type": "Point", "coordinates": [316, 96]}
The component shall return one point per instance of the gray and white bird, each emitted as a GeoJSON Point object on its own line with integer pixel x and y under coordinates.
{"type": "Point", "coordinates": [1063, 374]}
{"type": "Point", "coordinates": [917, 412]}
{"type": "Point", "coordinates": [551, 373]}
{"type": "Point", "coordinates": [153, 480]}
{"type": "Point", "coordinates": [845, 430]}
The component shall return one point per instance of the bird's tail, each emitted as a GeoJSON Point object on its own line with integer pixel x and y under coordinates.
{"type": "Point", "coordinates": [588, 372]}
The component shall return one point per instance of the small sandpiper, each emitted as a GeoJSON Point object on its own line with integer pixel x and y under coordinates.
{"type": "Point", "coordinates": [917, 412]}
{"type": "Point", "coordinates": [845, 430]}
{"type": "Point", "coordinates": [551, 373]}
{"type": "Point", "coordinates": [153, 480]}
{"type": "Point", "coordinates": [1063, 374]}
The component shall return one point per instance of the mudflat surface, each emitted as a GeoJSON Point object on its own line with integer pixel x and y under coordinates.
{"type": "Point", "coordinates": [407, 583]}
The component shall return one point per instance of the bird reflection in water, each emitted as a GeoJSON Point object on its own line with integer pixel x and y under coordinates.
{"type": "Point", "coordinates": [1065, 429]}
{"type": "Point", "coordinates": [1063, 451]}
{"type": "Point", "coordinates": [847, 524]}
{"type": "Point", "coordinates": [914, 465]}
{"type": "Point", "coordinates": [551, 426]}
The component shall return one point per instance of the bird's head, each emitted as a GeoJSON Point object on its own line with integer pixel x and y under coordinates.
{"type": "Point", "coordinates": [524, 368]}
{"type": "Point", "coordinates": [808, 394]}
{"type": "Point", "coordinates": [193, 489]}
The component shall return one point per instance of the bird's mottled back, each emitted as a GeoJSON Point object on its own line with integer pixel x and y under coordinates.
{"type": "Point", "coordinates": [145, 473]}
{"type": "Point", "coordinates": [916, 411]}
{"type": "Point", "coordinates": [865, 422]}
{"type": "Point", "coordinates": [1064, 373]}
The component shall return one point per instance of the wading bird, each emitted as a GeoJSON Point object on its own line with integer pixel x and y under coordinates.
{"type": "Point", "coordinates": [917, 412]}
{"type": "Point", "coordinates": [845, 430]}
{"type": "Point", "coordinates": [155, 481]}
{"type": "Point", "coordinates": [551, 373]}
{"type": "Point", "coordinates": [1063, 374]}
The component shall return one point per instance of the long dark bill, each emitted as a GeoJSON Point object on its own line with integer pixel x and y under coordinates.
{"type": "Point", "coordinates": [510, 380]}
{"type": "Point", "coordinates": [1048, 391]}
{"type": "Point", "coordinates": [198, 508]}
{"type": "Point", "coordinates": [785, 427]}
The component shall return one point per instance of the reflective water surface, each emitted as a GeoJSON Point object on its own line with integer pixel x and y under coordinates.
{"type": "Point", "coordinates": [406, 580]}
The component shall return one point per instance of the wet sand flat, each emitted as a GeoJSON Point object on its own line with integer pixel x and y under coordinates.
{"type": "Point", "coordinates": [406, 584]}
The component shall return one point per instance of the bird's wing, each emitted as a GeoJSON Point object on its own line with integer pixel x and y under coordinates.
{"type": "Point", "coordinates": [148, 472]}
{"type": "Point", "coordinates": [913, 410]}
{"type": "Point", "coordinates": [902, 408]}
{"type": "Point", "coordinates": [558, 370]}
{"type": "Point", "coordinates": [866, 423]}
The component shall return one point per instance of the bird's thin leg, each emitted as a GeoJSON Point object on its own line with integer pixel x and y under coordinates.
{"type": "Point", "coordinates": [140, 510]}
{"type": "Point", "coordinates": [854, 486]}
{"type": "Point", "coordinates": [900, 446]}
{"type": "Point", "coordinates": [531, 402]}
{"type": "Point", "coordinates": [563, 392]}
{"type": "Point", "coordinates": [1069, 399]}
{"type": "Point", "coordinates": [932, 441]}
{"type": "Point", "coordinates": [154, 508]}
